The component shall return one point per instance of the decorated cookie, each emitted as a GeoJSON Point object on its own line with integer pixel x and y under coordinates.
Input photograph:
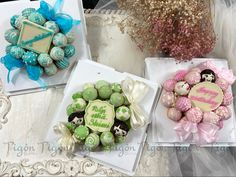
{"type": "Point", "coordinates": [76, 118]}
{"type": "Point", "coordinates": [105, 92]}
{"type": "Point", "coordinates": [116, 87]}
{"type": "Point", "coordinates": [182, 88]}
{"type": "Point", "coordinates": [92, 141]}
{"type": "Point", "coordinates": [44, 60]}
{"type": "Point", "coordinates": [81, 132]}
{"type": "Point", "coordinates": [99, 116]}
{"type": "Point", "coordinates": [120, 128]}
{"type": "Point", "coordinates": [123, 113]}
{"type": "Point", "coordinates": [117, 99]}
{"type": "Point", "coordinates": [174, 114]}
{"type": "Point", "coordinates": [90, 94]}
{"type": "Point", "coordinates": [208, 75]}
{"type": "Point", "coordinates": [168, 99]}
{"type": "Point", "coordinates": [206, 95]}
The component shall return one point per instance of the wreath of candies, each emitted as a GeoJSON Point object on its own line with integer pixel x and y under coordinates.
{"type": "Point", "coordinates": [100, 97]}
{"type": "Point", "coordinates": [26, 40]}
{"type": "Point", "coordinates": [199, 95]}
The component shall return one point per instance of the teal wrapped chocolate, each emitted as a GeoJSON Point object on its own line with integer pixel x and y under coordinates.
{"type": "Point", "coordinates": [30, 58]}
{"type": "Point", "coordinates": [19, 21]}
{"type": "Point", "coordinates": [52, 26]}
{"type": "Point", "coordinates": [70, 37]}
{"type": "Point", "coordinates": [17, 52]}
{"type": "Point", "coordinates": [57, 53]}
{"type": "Point", "coordinates": [37, 18]}
{"type": "Point", "coordinates": [12, 36]}
{"type": "Point", "coordinates": [26, 12]}
{"type": "Point", "coordinates": [51, 69]}
{"type": "Point", "coordinates": [62, 64]}
{"type": "Point", "coordinates": [13, 20]}
{"type": "Point", "coordinates": [44, 60]}
{"type": "Point", "coordinates": [59, 40]}
{"type": "Point", "coordinates": [8, 48]}
{"type": "Point", "coordinates": [69, 51]}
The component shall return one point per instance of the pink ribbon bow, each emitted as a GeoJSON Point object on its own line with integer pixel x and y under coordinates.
{"type": "Point", "coordinates": [207, 133]}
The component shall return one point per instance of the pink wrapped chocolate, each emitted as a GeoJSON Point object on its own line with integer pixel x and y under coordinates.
{"type": "Point", "coordinates": [222, 83]}
{"type": "Point", "coordinates": [194, 115]}
{"type": "Point", "coordinates": [228, 98]}
{"type": "Point", "coordinates": [198, 70]}
{"type": "Point", "coordinates": [174, 114]}
{"type": "Point", "coordinates": [169, 85]}
{"type": "Point", "coordinates": [193, 77]}
{"type": "Point", "coordinates": [168, 99]}
{"type": "Point", "coordinates": [179, 76]}
{"type": "Point", "coordinates": [223, 112]}
{"type": "Point", "coordinates": [211, 117]}
{"type": "Point", "coordinates": [183, 104]}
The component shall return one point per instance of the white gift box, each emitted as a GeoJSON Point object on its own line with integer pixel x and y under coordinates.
{"type": "Point", "coordinates": [20, 82]}
{"type": "Point", "coordinates": [124, 157]}
{"type": "Point", "coordinates": [161, 131]}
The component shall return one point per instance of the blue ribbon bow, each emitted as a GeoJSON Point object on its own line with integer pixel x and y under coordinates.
{"type": "Point", "coordinates": [12, 63]}
{"type": "Point", "coordinates": [64, 21]}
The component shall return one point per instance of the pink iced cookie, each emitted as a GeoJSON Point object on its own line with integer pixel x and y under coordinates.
{"type": "Point", "coordinates": [174, 114]}
{"type": "Point", "coordinates": [168, 99]}
{"type": "Point", "coordinates": [193, 77]}
{"type": "Point", "coordinates": [223, 112]}
{"type": "Point", "coordinates": [194, 115]}
{"type": "Point", "coordinates": [183, 104]}
{"type": "Point", "coordinates": [228, 98]}
{"type": "Point", "coordinates": [169, 85]}
{"type": "Point", "coordinates": [222, 83]}
{"type": "Point", "coordinates": [211, 117]}
{"type": "Point", "coordinates": [179, 76]}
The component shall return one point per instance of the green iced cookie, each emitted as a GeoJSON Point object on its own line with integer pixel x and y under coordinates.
{"type": "Point", "coordinates": [117, 99]}
{"type": "Point", "coordinates": [105, 92]}
{"type": "Point", "coordinates": [123, 113]}
{"type": "Point", "coordinates": [77, 95]}
{"type": "Point", "coordinates": [101, 83]}
{"type": "Point", "coordinates": [90, 94]}
{"type": "Point", "coordinates": [71, 127]}
{"type": "Point", "coordinates": [107, 139]}
{"type": "Point", "coordinates": [116, 87]}
{"type": "Point", "coordinates": [81, 132]}
{"type": "Point", "coordinates": [80, 104]}
{"type": "Point", "coordinates": [92, 141]}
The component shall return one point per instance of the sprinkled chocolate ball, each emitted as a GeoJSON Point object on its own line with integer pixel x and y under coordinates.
{"type": "Point", "coordinates": [57, 53]}
{"type": "Point", "coordinates": [81, 132]}
{"type": "Point", "coordinates": [104, 92]}
{"type": "Point", "coordinates": [13, 20]}
{"type": "Point", "coordinates": [90, 94]}
{"type": "Point", "coordinates": [179, 76]}
{"type": "Point", "coordinates": [12, 36]}
{"type": "Point", "coordinates": [52, 26]}
{"type": "Point", "coordinates": [123, 113]}
{"type": "Point", "coordinates": [63, 64]}
{"type": "Point", "coordinates": [26, 12]}
{"type": "Point", "coordinates": [192, 77]}
{"type": "Point", "coordinates": [174, 114]}
{"type": "Point", "coordinates": [37, 18]}
{"type": "Point", "coordinates": [69, 51]}
{"type": "Point", "coordinates": [116, 87]}
{"type": "Point", "coordinates": [169, 85]}
{"type": "Point", "coordinates": [51, 69]}
{"type": "Point", "coordinates": [17, 52]}
{"type": "Point", "coordinates": [101, 83]}
{"type": "Point", "coordinates": [183, 104]}
{"type": "Point", "coordinates": [44, 60]}
{"type": "Point", "coordinates": [117, 99]}
{"type": "Point", "coordinates": [30, 58]}
{"type": "Point", "coordinates": [194, 115]}
{"type": "Point", "coordinates": [168, 99]}
{"type": "Point", "coordinates": [59, 40]}
{"type": "Point", "coordinates": [92, 141]}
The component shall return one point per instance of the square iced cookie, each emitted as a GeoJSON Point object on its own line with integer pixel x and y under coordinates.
{"type": "Point", "coordinates": [35, 37]}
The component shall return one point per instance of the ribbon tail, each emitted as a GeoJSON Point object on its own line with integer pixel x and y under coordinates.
{"type": "Point", "coordinates": [138, 118]}
{"type": "Point", "coordinates": [42, 84]}
{"type": "Point", "coordinates": [58, 6]}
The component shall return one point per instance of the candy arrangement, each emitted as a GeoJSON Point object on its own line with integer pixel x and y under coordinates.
{"type": "Point", "coordinates": [40, 41]}
{"type": "Point", "coordinates": [99, 116]}
{"type": "Point", "coordinates": [198, 99]}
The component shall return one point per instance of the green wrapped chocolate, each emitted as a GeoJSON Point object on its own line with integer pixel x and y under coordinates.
{"type": "Point", "coordinates": [101, 83]}
{"type": "Point", "coordinates": [77, 95]}
{"type": "Point", "coordinates": [116, 87]}
{"type": "Point", "coordinates": [117, 99]}
{"type": "Point", "coordinates": [44, 60]}
{"type": "Point", "coordinates": [92, 141]}
{"type": "Point", "coordinates": [105, 92]}
{"type": "Point", "coordinates": [51, 69]}
{"type": "Point", "coordinates": [71, 127]}
{"type": "Point", "coordinates": [107, 139]}
{"type": "Point", "coordinates": [81, 132]}
{"type": "Point", "coordinates": [120, 139]}
{"type": "Point", "coordinates": [70, 109]}
{"type": "Point", "coordinates": [80, 104]}
{"type": "Point", "coordinates": [90, 94]}
{"type": "Point", "coordinates": [123, 113]}
{"type": "Point", "coordinates": [88, 85]}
